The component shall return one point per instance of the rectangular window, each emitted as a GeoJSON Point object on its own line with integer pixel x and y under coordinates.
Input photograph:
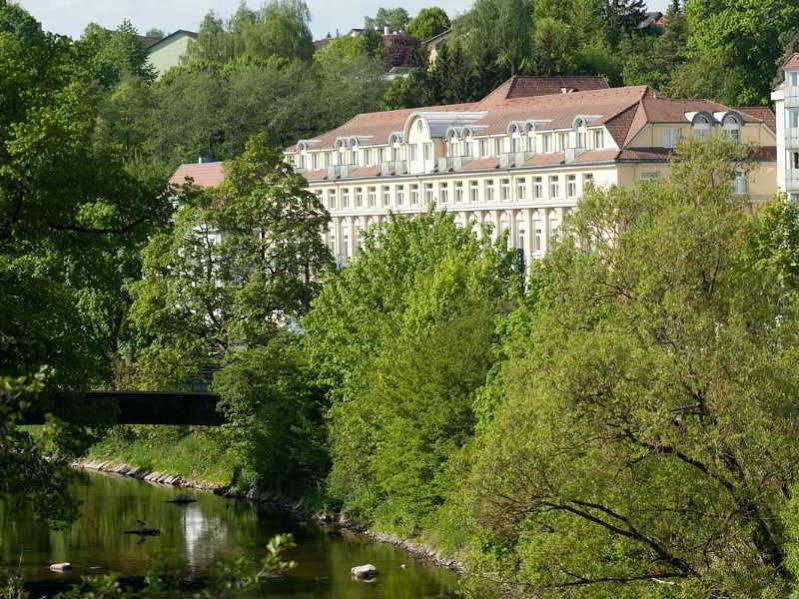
{"type": "Point", "coordinates": [428, 151]}
{"type": "Point", "coordinates": [504, 185]}
{"type": "Point", "coordinates": [371, 197]}
{"type": "Point", "coordinates": [571, 185]}
{"type": "Point", "coordinates": [795, 79]}
{"type": "Point", "coordinates": [400, 195]}
{"type": "Point", "coordinates": [672, 137]}
{"type": "Point", "coordinates": [563, 141]}
{"type": "Point", "coordinates": [428, 193]}
{"type": "Point", "coordinates": [474, 191]}
{"type": "Point", "coordinates": [358, 197]}
{"type": "Point", "coordinates": [367, 157]}
{"type": "Point", "coordinates": [414, 194]}
{"type": "Point", "coordinates": [395, 154]}
{"type": "Point", "coordinates": [497, 146]}
{"type": "Point", "coordinates": [649, 176]}
{"type": "Point", "coordinates": [386, 195]}
{"type": "Point", "coordinates": [538, 188]}
{"type": "Point", "coordinates": [554, 187]}
{"type": "Point", "coordinates": [467, 147]}
{"type": "Point", "coordinates": [458, 192]}
{"type": "Point", "coordinates": [412, 150]}
{"type": "Point", "coordinates": [740, 183]}
{"type": "Point", "coordinates": [354, 157]}
{"type": "Point", "coordinates": [443, 192]}
{"type": "Point", "coordinates": [315, 161]}
{"type": "Point", "coordinates": [546, 143]}
{"type": "Point", "coordinates": [345, 198]}
{"type": "Point", "coordinates": [521, 188]}
{"type": "Point", "coordinates": [489, 190]}
{"type": "Point", "coordinates": [588, 179]}
{"type": "Point", "coordinates": [300, 161]}
{"type": "Point", "coordinates": [537, 239]}
{"type": "Point", "coordinates": [381, 155]}
{"type": "Point", "coordinates": [331, 199]}
{"type": "Point", "coordinates": [599, 138]}
{"type": "Point", "coordinates": [795, 156]}
{"type": "Point", "coordinates": [484, 149]}
{"type": "Point", "coordinates": [514, 144]}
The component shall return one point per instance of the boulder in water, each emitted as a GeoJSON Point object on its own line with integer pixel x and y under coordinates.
{"type": "Point", "coordinates": [367, 572]}
{"type": "Point", "coordinates": [62, 567]}
{"type": "Point", "coordinates": [181, 500]}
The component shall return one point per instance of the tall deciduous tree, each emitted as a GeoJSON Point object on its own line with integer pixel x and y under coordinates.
{"type": "Point", "coordinates": [429, 22]}
{"type": "Point", "coordinates": [241, 261]}
{"type": "Point", "coordinates": [646, 444]}
{"type": "Point", "coordinates": [503, 28]}
{"type": "Point", "coordinates": [112, 55]}
{"type": "Point", "coordinates": [743, 36]}
{"type": "Point", "coordinates": [396, 19]}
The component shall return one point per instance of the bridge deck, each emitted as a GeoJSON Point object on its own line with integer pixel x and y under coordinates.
{"type": "Point", "coordinates": [131, 407]}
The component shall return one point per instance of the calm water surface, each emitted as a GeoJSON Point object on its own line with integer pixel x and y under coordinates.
{"type": "Point", "coordinates": [202, 533]}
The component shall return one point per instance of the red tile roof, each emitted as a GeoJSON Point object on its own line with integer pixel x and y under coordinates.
{"type": "Point", "coordinates": [792, 62]}
{"type": "Point", "coordinates": [203, 174]}
{"type": "Point", "coordinates": [761, 113]}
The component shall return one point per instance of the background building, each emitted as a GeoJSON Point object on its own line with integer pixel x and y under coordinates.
{"type": "Point", "coordinates": [169, 51]}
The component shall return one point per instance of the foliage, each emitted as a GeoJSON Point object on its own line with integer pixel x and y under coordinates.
{"type": "Point", "coordinates": [113, 55]}
{"type": "Point", "coordinates": [239, 260]}
{"type": "Point", "coordinates": [396, 19]}
{"type": "Point", "coordinates": [502, 27]}
{"type": "Point", "coordinates": [279, 29]}
{"type": "Point", "coordinates": [746, 37]}
{"type": "Point", "coordinates": [428, 23]}
{"type": "Point", "coordinates": [404, 337]}
{"type": "Point", "coordinates": [644, 446]}
{"type": "Point", "coordinates": [30, 475]}
{"type": "Point", "coordinates": [275, 415]}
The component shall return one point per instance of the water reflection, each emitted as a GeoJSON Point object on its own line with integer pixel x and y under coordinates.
{"type": "Point", "coordinates": [200, 534]}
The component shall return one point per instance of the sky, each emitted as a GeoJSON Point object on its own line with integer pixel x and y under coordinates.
{"type": "Point", "coordinates": [70, 17]}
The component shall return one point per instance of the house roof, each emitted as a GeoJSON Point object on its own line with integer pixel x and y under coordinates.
{"type": "Point", "coordinates": [171, 37]}
{"type": "Point", "coordinates": [623, 110]}
{"type": "Point", "coordinates": [148, 42]}
{"type": "Point", "coordinates": [435, 38]}
{"type": "Point", "coordinates": [203, 174]}
{"type": "Point", "coordinates": [792, 62]}
{"type": "Point", "coordinates": [761, 113]}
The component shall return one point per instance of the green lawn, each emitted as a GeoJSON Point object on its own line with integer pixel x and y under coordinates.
{"type": "Point", "coordinates": [197, 453]}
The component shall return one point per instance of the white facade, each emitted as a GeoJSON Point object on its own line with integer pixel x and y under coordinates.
{"type": "Point", "coordinates": [786, 106]}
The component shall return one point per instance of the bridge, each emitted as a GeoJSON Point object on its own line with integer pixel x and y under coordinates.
{"type": "Point", "coordinates": [129, 407]}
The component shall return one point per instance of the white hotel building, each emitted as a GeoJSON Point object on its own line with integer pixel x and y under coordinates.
{"type": "Point", "coordinates": [518, 159]}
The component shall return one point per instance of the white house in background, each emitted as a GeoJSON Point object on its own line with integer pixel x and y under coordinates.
{"type": "Point", "coordinates": [517, 160]}
{"type": "Point", "coordinates": [169, 51]}
{"type": "Point", "coordinates": [786, 105]}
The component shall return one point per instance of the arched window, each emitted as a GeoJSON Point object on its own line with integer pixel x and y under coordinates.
{"type": "Point", "coordinates": [701, 126]}
{"type": "Point", "coordinates": [731, 125]}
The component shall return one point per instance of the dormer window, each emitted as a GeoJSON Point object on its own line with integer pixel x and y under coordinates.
{"type": "Point", "coordinates": [701, 126]}
{"type": "Point", "coordinates": [731, 125]}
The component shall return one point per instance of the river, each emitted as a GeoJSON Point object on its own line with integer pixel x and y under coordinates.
{"type": "Point", "coordinates": [199, 534]}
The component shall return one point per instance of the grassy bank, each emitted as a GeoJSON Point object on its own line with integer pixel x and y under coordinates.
{"type": "Point", "coordinates": [196, 453]}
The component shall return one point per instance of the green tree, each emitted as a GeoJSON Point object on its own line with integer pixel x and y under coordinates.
{"type": "Point", "coordinates": [645, 444]}
{"type": "Point", "coordinates": [622, 18]}
{"type": "Point", "coordinates": [155, 32]}
{"type": "Point", "coordinates": [428, 23]}
{"type": "Point", "coordinates": [240, 260]}
{"type": "Point", "coordinates": [745, 37]}
{"type": "Point", "coordinates": [554, 47]}
{"type": "Point", "coordinates": [403, 336]}
{"type": "Point", "coordinates": [276, 417]}
{"type": "Point", "coordinates": [396, 19]}
{"type": "Point", "coordinates": [112, 55]}
{"type": "Point", "coordinates": [503, 28]}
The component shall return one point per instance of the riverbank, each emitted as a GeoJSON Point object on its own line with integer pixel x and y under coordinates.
{"type": "Point", "coordinates": [295, 509]}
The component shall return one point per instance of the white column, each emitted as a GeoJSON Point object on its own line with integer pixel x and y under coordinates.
{"type": "Point", "coordinates": [530, 241]}
{"type": "Point", "coordinates": [353, 237]}
{"type": "Point", "coordinates": [545, 232]}
{"type": "Point", "coordinates": [514, 234]}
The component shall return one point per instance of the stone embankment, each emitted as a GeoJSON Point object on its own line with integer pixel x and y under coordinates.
{"type": "Point", "coordinates": [295, 508]}
{"type": "Point", "coordinates": [281, 504]}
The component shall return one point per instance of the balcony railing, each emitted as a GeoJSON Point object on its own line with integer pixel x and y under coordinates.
{"type": "Point", "coordinates": [395, 167]}
{"type": "Point", "coordinates": [338, 171]}
{"type": "Point", "coordinates": [512, 159]}
{"type": "Point", "coordinates": [450, 163]}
